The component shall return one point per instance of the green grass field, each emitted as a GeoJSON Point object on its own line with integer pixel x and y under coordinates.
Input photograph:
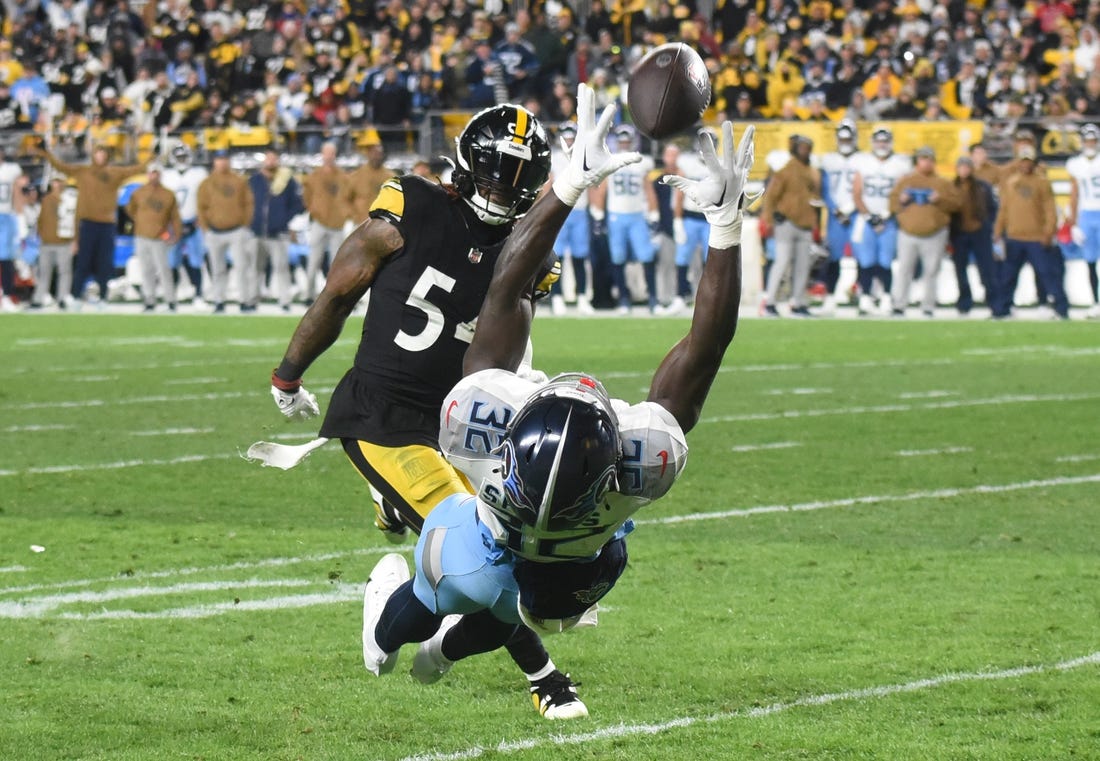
{"type": "Point", "coordinates": [886, 545]}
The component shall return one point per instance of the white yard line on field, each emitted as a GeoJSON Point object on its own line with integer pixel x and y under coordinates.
{"type": "Point", "coordinates": [194, 381]}
{"type": "Point", "coordinates": [172, 432]}
{"type": "Point", "coordinates": [172, 573]}
{"type": "Point", "coordinates": [926, 452]}
{"type": "Point", "coordinates": [718, 515]}
{"type": "Point", "coordinates": [926, 394]}
{"type": "Point", "coordinates": [888, 408]}
{"type": "Point", "coordinates": [156, 399]}
{"type": "Point", "coordinates": [52, 469]}
{"type": "Point", "coordinates": [870, 500]}
{"type": "Point", "coordinates": [13, 569]}
{"type": "Point", "coordinates": [35, 428]}
{"type": "Point", "coordinates": [35, 607]}
{"type": "Point", "coordinates": [758, 447]}
{"type": "Point", "coordinates": [132, 367]}
{"type": "Point", "coordinates": [95, 378]}
{"type": "Point", "coordinates": [339, 594]}
{"type": "Point", "coordinates": [797, 391]}
{"type": "Point", "coordinates": [1077, 458]}
{"type": "Point", "coordinates": [1049, 349]}
{"type": "Point", "coordinates": [757, 712]}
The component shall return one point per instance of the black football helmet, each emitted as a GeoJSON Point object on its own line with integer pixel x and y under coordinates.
{"type": "Point", "coordinates": [503, 161]}
{"type": "Point", "coordinates": [560, 456]}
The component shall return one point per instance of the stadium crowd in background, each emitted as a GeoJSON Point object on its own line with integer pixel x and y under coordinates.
{"type": "Point", "coordinates": [303, 73]}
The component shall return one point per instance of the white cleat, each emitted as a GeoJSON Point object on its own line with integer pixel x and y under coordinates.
{"type": "Point", "coordinates": [557, 305]}
{"type": "Point", "coordinates": [390, 573]}
{"type": "Point", "coordinates": [866, 304]}
{"type": "Point", "coordinates": [584, 306]}
{"type": "Point", "coordinates": [429, 664]}
{"type": "Point", "coordinates": [1093, 313]}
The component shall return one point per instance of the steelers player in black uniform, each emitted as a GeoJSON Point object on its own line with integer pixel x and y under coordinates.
{"type": "Point", "coordinates": [426, 253]}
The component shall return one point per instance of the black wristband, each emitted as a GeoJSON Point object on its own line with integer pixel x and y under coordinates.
{"type": "Point", "coordinates": [288, 371]}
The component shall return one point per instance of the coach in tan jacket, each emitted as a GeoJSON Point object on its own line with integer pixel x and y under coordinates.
{"type": "Point", "coordinates": [157, 225]}
{"type": "Point", "coordinates": [1026, 223]}
{"type": "Point", "coordinates": [792, 207]}
{"type": "Point", "coordinates": [324, 192]}
{"type": "Point", "coordinates": [225, 211]}
{"type": "Point", "coordinates": [923, 203]}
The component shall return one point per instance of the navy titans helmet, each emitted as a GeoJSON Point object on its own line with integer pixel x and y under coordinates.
{"type": "Point", "coordinates": [503, 161]}
{"type": "Point", "coordinates": [560, 456]}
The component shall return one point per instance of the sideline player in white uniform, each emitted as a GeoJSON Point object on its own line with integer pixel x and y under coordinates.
{"type": "Point", "coordinates": [631, 207]}
{"type": "Point", "coordinates": [11, 190]}
{"type": "Point", "coordinates": [875, 231]}
{"type": "Point", "coordinates": [689, 225]}
{"type": "Point", "coordinates": [183, 179]}
{"type": "Point", "coordinates": [575, 236]}
{"type": "Point", "coordinates": [1084, 206]}
{"type": "Point", "coordinates": [573, 465]}
{"type": "Point", "coordinates": [838, 170]}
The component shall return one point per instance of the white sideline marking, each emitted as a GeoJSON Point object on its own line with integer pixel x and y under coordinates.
{"type": "Point", "coordinates": [171, 573]}
{"type": "Point", "coordinates": [196, 381]}
{"type": "Point", "coordinates": [143, 366]}
{"type": "Point", "coordinates": [172, 432]}
{"type": "Point", "coordinates": [868, 500]}
{"type": "Point", "coordinates": [1077, 458]}
{"type": "Point", "coordinates": [34, 608]}
{"type": "Point", "coordinates": [52, 469]}
{"type": "Point", "coordinates": [13, 569]}
{"type": "Point", "coordinates": [926, 394]}
{"type": "Point", "coordinates": [35, 428]}
{"type": "Point", "coordinates": [924, 452]}
{"type": "Point", "coordinates": [95, 378]}
{"type": "Point", "coordinates": [343, 593]}
{"type": "Point", "coordinates": [883, 408]}
{"type": "Point", "coordinates": [756, 447]}
{"type": "Point", "coordinates": [822, 699]}
{"type": "Point", "coordinates": [797, 391]}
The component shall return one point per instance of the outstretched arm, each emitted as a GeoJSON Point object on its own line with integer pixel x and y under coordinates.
{"type": "Point", "coordinates": [353, 270]}
{"type": "Point", "coordinates": [683, 379]}
{"type": "Point", "coordinates": [504, 323]}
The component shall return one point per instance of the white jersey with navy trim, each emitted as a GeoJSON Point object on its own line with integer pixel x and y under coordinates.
{"type": "Point", "coordinates": [185, 185]}
{"type": "Point", "coordinates": [10, 172]}
{"type": "Point", "coordinates": [473, 421]}
{"type": "Point", "coordinates": [879, 177]}
{"type": "Point", "coordinates": [1086, 173]}
{"type": "Point", "coordinates": [839, 175]}
{"type": "Point", "coordinates": [626, 188]}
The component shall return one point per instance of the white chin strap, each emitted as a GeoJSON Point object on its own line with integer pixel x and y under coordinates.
{"type": "Point", "coordinates": [488, 212]}
{"type": "Point", "coordinates": [1091, 152]}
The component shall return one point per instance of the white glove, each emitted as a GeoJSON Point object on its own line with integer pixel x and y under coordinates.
{"type": "Point", "coordinates": [719, 195]}
{"type": "Point", "coordinates": [297, 404]}
{"type": "Point", "coordinates": [590, 161]}
{"type": "Point", "coordinates": [1077, 235]}
{"type": "Point", "coordinates": [679, 234]}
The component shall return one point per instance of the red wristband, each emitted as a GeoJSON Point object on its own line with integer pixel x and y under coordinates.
{"type": "Point", "coordinates": [290, 387]}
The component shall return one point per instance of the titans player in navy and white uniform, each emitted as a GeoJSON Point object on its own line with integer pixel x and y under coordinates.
{"type": "Point", "coordinates": [183, 179]}
{"type": "Point", "coordinates": [544, 539]}
{"type": "Point", "coordinates": [12, 181]}
{"type": "Point", "coordinates": [427, 253]}
{"type": "Point", "coordinates": [574, 239]}
{"type": "Point", "coordinates": [838, 170]}
{"type": "Point", "coordinates": [1084, 205]}
{"type": "Point", "coordinates": [875, 231]}
{"type": "Point", "coordinates": [631, 208]}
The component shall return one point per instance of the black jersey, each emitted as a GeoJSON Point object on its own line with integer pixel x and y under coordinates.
{"type": "Point", "coordinates": [419, 322]}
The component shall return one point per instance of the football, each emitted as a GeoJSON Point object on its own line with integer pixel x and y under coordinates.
{"type": "Point", "coordinates": [668, 90]}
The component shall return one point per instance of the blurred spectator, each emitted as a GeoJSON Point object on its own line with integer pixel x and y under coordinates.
{"type": "Point", "coordinates": [12, 115]}
{"type": "Point", "coordinates": [12, 182]}
{"type": "Point", "coordinates": [517, 57]}
{"type": "Point", "coordinates": [581, 62]}
{"type": "Point", "coordinates": [30, 90]}
{"type": "Point", "coordinates": [391, 102]}
{"type": "Point", "coordinates": [972, 234]}
{"type": "Point", "coordinates": [324, 192]}
{"type": "Point", "coordinates": [485, 78]}
{"type": "Point", "coordinates": [277, 199]}
{"type": "Point", "coordinates": [365, 183]}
